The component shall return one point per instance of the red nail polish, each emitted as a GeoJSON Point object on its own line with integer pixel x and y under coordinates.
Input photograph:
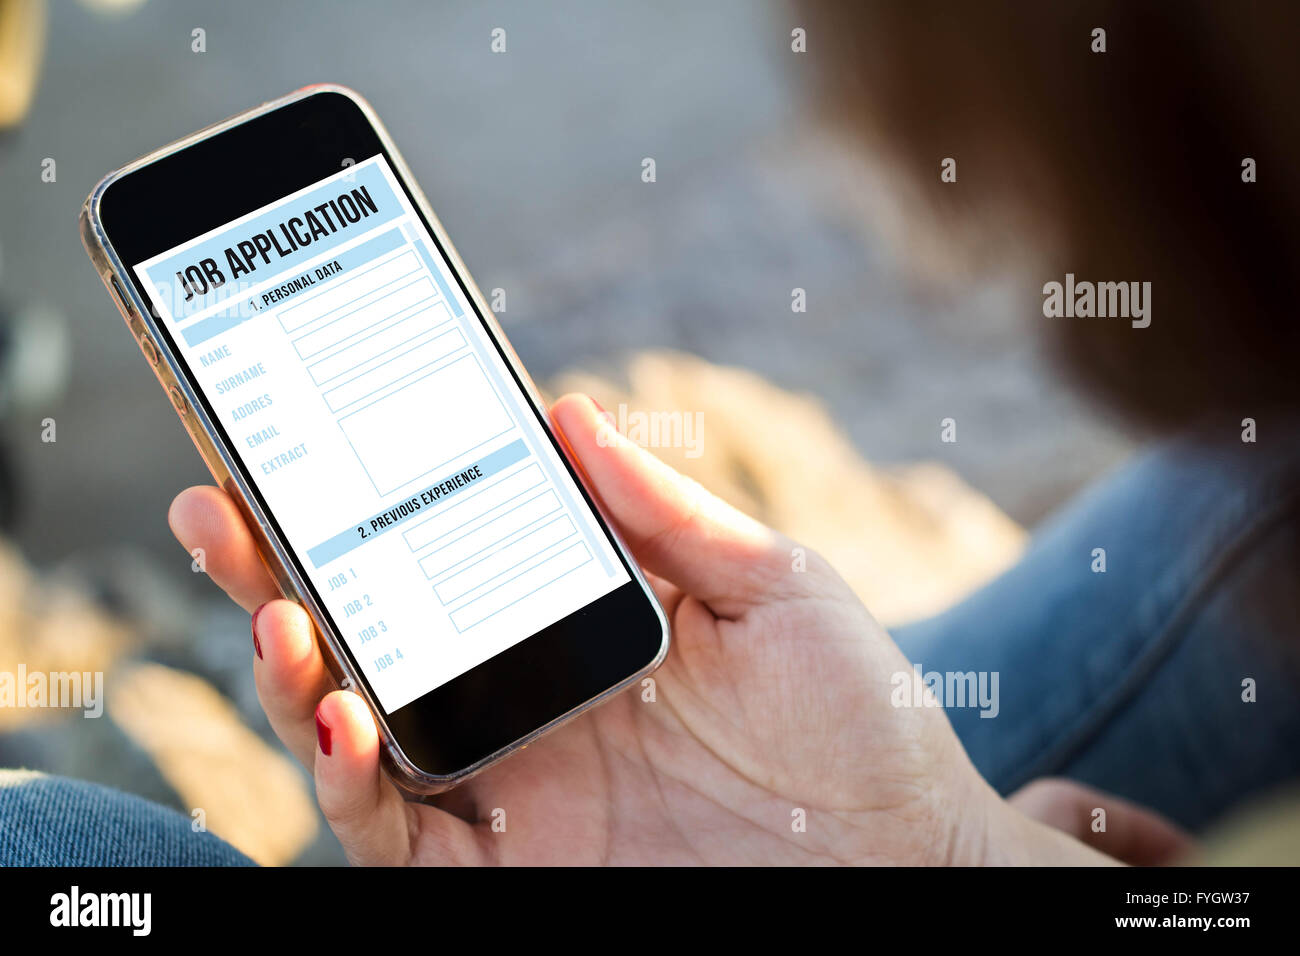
{"type": "Point", "coordinates": [323, 735]}
{"type": "Point", "coordinates": [257, 645]}
{"type": "Point", "coordinates": [599, 407]}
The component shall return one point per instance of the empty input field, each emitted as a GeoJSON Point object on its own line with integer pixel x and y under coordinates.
{"type": "Point", "coordinates": [360, 356]}
{"type": "Point", "coordinates": [356, 290]}
{"type": "Point", "coordinates": [381, 376]}
{"type": "Point", "coordinates": [350, 321]}
{"type": "Point", "coordinates": [504, 559]}
{"type": "Point", "coordinates": [426, 424]}
{"type": "Point", "coordinates": [490, 534]}
{"type": "Point", "coordinates": [520, 586]}
{"type": "Point", "coordinates": [473, 510]}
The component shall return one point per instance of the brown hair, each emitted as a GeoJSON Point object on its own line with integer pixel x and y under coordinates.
{"type": "Point", "coordinates": [1129, 161]}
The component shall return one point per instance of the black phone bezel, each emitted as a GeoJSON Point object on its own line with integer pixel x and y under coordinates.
{"type": "Point", "coordinates": [234, 171]}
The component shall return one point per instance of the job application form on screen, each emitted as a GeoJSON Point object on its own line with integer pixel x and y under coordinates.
{"type": "Point", "coordinates": [359, 388]}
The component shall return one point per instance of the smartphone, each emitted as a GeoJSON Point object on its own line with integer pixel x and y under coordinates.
{"type": "Point", "coordinates": [349, 387]}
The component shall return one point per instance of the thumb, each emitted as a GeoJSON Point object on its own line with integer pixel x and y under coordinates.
{"type": "Point", "coordinates": [676, 529]}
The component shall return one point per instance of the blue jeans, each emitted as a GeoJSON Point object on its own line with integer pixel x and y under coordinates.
{"type": "Point", "coordinates": [1133, 680]}
{"type": "Point", "coordinates": [1129, 679]}
{"type": "Point", "coordinates": [49, 821]}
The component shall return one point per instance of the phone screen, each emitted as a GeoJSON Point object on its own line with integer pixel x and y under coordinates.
{"type": "Point", "coordinates": [375, 414]}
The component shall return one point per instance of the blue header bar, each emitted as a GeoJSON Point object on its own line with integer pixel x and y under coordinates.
{"type": "Point", "coordinates": [423, 503]}
{"type": "Point", "coordinates": [348, 262]}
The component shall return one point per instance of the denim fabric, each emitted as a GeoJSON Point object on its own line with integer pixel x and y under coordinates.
{"type": "Point", "coordinates": [1131, 680]}
{"type": "Point", "coordinates": [50, 821]}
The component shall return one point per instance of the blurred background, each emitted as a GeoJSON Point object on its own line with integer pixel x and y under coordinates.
{"type": "Point", "coordinates": [672, 295]}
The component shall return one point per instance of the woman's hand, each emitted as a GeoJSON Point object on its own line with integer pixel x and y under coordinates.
{"type": "Point", "coordinates": [771, 740]}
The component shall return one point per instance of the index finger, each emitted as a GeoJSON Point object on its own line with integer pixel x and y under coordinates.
{"type": "Point", "coordinates": [210, 527]}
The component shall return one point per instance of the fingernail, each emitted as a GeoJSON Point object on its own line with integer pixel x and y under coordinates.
{"type": "Point", "coordinates": [323, 734]}
{"type": "Point", "coordinates": [257, 645]}
{"type": "Point", "coordinates": [602, 416]}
